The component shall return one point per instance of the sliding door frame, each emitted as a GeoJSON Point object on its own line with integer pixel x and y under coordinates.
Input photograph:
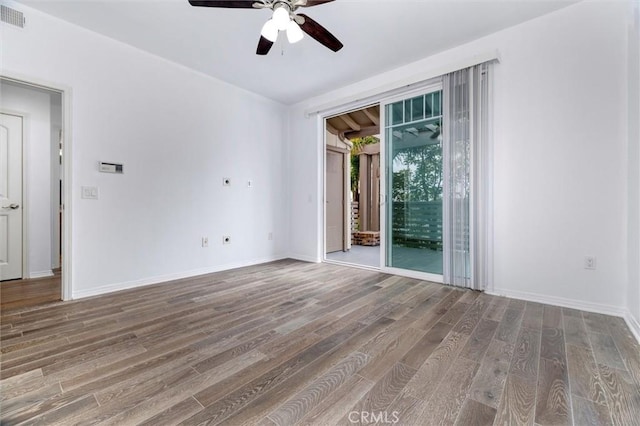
{"type": "Point", "coordinates": [405, 94]}
{"type": "Point", "coordinates": [381, 99]}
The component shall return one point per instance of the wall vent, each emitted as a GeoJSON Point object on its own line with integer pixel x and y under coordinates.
{"type": "Point", "coordinates": [12, 16]}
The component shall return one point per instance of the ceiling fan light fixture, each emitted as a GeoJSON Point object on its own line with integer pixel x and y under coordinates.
{"type": "Point", "coordinates": [270, 30]}
{"type": "Point", "coordinates": [281, 17]}
{"type": "Point", "coordinates": [294, 32]}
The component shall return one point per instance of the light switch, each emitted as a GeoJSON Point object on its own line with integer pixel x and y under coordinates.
{"type": "Point", "coordinates": [90, 192]}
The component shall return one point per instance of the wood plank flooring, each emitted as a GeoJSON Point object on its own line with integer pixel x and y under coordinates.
{"type": "Point", "coordinates": [38, 291]}
{"type": "Point", "coordinates": [314, 344]}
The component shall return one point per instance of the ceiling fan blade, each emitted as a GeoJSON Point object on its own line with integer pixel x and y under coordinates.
{"type": "Point", "coordinates": [309, 3]}
{"type": "Point", "coordinates": [264, 46]}
{"type": "Point", "coordinates": [321, 34]}
{"type": "Point", "coordinates": [236, 4]}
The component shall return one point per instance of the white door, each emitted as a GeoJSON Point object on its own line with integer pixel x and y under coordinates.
{"type": "Point", "coordinates": [335, 201]}
{"type": "Point", "coordinates": [10, 197]}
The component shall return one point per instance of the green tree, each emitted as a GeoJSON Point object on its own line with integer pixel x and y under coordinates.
{"type": "Point", "coordinates": [423, 173]}
{"type": "Point", "coordinates": [418, 173]}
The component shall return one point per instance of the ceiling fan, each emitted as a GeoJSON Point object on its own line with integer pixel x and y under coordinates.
{"type": "Point", "coordinates": [284, 19]}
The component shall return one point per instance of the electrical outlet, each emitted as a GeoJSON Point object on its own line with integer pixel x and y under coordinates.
{"type": "Point", "coordinates": [249, 183]}
{"type": "Point", "coordinates": [205, 241]}
{"type": "Point", "coordinates": [226, 181]}
{"type": "Point", "coordinates": [589, 262]}
{"type": "Point", "coordinates": [226, 239]}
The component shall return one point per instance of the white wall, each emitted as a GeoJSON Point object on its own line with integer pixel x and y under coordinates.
{"type": "Point", "coordinates": [560, 178]}
{"type": "Point", "coordinates": [305, 186]}
{"type": "Point", "coordinates": [35, 106]}
{"type": "Point", "coordinates": [178, 134]}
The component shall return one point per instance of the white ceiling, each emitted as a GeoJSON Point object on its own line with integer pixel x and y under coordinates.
{"type": "Point", "coordinates": [378, 35]}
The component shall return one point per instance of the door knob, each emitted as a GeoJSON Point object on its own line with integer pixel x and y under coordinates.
{"type": "Point", "coordinates": [12, 206]}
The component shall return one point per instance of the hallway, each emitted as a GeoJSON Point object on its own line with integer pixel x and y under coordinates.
{"type": "Point", "coordinates": [22, 293]}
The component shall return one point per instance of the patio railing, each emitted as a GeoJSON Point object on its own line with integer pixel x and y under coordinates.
{"type": "Point", "coordinates": [418, 224]}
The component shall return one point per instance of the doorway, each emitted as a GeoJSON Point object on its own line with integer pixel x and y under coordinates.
{"type": "Point", "coordinates": [397, 194]}
{"type": "Point", "coordinates": [352, 187]}
{"type": "Point", "coordinates": [32, 211]}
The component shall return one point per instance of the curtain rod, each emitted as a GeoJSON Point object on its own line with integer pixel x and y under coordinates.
{"type": "Point", "coordinates": [373, 95]}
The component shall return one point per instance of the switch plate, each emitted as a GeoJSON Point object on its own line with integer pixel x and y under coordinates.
{"type": "Point", "coordinates": [90, 192]}
{"type": "Point", "coordinates": [205, 242]}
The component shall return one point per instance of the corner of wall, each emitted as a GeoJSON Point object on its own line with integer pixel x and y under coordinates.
{"type": "Point", "coordinates": [633, 325]}
{"type": "Point", "coordinates": [633, 147]}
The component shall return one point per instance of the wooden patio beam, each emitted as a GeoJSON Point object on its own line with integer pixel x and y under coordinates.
{"type": "Point", "coordinates": [364, 131]}
{"type": "Point", "coordinates": [349, 121]}
{"type": "Point", "coordinates": [375, 118]}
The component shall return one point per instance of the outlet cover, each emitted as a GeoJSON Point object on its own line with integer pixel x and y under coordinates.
{"type": "Point", "coordinates": [589, 262]}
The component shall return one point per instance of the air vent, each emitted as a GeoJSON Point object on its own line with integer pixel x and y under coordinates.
{"type": "Point", "coordinates": [12, 16]}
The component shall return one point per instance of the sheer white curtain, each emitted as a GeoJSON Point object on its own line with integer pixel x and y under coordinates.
{"type": "Point", "coordinates": [467, 190]}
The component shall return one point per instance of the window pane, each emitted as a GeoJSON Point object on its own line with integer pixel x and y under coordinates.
{"type": "Point", "coordinates": [417, 108]}
{"type": "Point", "coordinates": [397, 115]}
{"type": "Point", "coordinates": [407, 110]}
{"type": "Point", "coordinates": [437, 103]}
{"type": "Point", "coordinates": [428, 105]}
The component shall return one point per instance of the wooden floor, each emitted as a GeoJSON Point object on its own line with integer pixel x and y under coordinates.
{"type": "Point", "coordinates": [298, 343]}
{"type": "Point", "coordinates": [21, 293]}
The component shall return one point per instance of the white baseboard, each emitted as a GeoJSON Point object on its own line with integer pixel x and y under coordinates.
{"type": "Point", "coordinates": [598, 308]}
{"type": "Point", "coordinates": [41, 274]}
{"type": "Point", "coordinates": [109, 288]}
{"type": "Point", "coordinates": [304, 258]}
{"type": "Point", "coordinates": [633, 325]}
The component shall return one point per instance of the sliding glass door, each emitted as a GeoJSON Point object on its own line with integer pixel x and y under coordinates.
{"type": "Point", "coordinates": [414, 183]}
